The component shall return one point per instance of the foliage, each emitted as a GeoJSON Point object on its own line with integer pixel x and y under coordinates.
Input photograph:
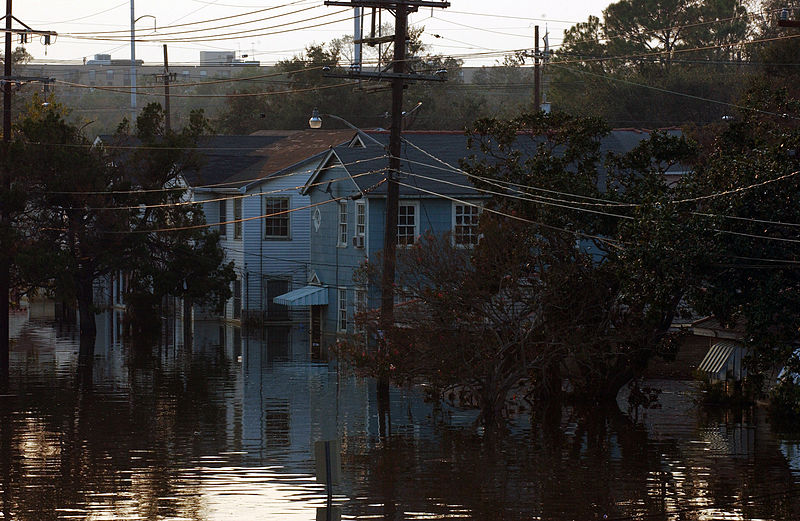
{"type": "Point", "coordinates": [578, 274]}
{"type": "Point", "coordinates": [633, 67]}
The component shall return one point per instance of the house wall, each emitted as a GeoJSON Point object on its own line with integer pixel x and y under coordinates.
{"type": "Point", "coordinates": [271, 258]}
{"type": "Point", "coordinates": [233, 247]}
{"type": "Point", "coordinates": [336, 265]}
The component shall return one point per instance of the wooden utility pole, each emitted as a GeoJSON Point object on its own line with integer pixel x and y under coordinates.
{"type": "Point", "coordinates": [5, 218]}
{"type": "Point", "coordinates": [166, 90]}
{"type": "Point", "coordinates": [398, 78]}
{"type": "Point", "coordinates": [537, 71]}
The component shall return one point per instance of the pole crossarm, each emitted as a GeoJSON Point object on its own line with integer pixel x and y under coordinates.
{"type": "Point", "coordinates": [388, 4]}
{"type": "Point", "coordinates": [26, 79]}
{"type": "Point", "coordinates": [27, 29]}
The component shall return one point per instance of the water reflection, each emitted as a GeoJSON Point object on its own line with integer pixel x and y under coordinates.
{"type": "Point", "coordinates": [225, 430]}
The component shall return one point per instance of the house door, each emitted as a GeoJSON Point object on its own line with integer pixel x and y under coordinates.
{"type": "Point", "coordinates": [315, 332]}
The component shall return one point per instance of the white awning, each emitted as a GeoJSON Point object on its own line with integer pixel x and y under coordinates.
{"type": "Point", "coordinates": [305, 296]}
{"type": "Point", "coordinates": [717, 358]}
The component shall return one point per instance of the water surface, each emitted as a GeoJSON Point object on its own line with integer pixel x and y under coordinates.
{"type": "Point", "coordinates": [226, 431]}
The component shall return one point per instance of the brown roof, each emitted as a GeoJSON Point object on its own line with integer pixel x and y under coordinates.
{"type": "Point", "coordinates": [294, 148]}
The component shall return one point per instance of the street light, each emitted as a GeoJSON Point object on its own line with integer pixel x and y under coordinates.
{"type": "Point", "coordinates": [315, 121]}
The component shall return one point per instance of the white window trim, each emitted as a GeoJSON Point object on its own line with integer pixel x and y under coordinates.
{"type": "Point", "coordinates": [342, 292]}
{"type": "Point", "coordinates": [288, 235]}
{"type": "Point", "coordinates": [453, 222]}
{"type": "Point", "coordinates": [361, 205]}
{"type": "Point", "coordinates": [415, 204]}
{"type": "Point", "coordinates": [238, 225]}
{"type": "Point", "coordinates": [222, 209]}
{"type": "Point", "coordinates": [340, 232]}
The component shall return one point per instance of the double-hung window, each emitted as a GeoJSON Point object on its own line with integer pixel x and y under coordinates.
{"type": "Point", "coordinates": [223, 217]}
{"type": "Point", "coordinates": [276, 217]}
{"type": "Point", "coordinates": [341, 322]}
{"type": "Point", "coordinates": [361, 219]}
{"type": "Point", "coordinates": [343, 224]}
{"type": "Point", "coordinates": [465, 224]}
{"type": "Point", "coordinates": [237, 218]}
{"type": "Point", "coordinates": [406, 224]}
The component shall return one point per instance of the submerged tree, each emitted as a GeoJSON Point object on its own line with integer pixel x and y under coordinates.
{"type": "Point", "coordinates": [94, 210]}
{"type": "Point", "coordinates": [578, 274]}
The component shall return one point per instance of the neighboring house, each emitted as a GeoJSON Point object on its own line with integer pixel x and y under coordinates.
{"type": "Point", "coordinates": [723, 360]}
{"type": "Point", "coordinates": [264, 219]}
{"type": "Point", "coordinates": [348, 231]}
{"type": "Point", "coordinates": [348, 197]}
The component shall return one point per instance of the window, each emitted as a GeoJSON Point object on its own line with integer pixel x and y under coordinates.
{"type": "Point", "coordinates": [406, 224]}
{"type": "Point", "coordinates": [223, 216]}
{"type": "Point", "coordinates": [361, 219]}
{"type": "Point", "coordinates": [237, 218]}
{"type": "Point", "coordinates": [342, 307]}
{"type": "Point", "coordinates": [274, 288]}
{"type": "Point", "coordinates": [237, 298]}
{"type": "Point", "coordinates": [465, 224]}
{"type": "Point", "coordinates": [361, 307]}
{"type": "Point", "coordinates": [276, 220]}
{"type": "Point", "coordinates": [343, 224]}
{"type": "Point", "coordinates": [110, 77]}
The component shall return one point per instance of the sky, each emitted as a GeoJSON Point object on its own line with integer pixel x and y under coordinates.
{"type": "Point", "coordinates": [478, 31]}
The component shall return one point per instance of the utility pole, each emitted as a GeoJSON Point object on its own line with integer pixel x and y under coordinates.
{"type": "Point", "coordinates": [133, 66]}
{"type": "Point", "coordinates": [398, 78]}
{"type": "Point", "coordinates": [166, 77]}
{"type": "Point", "coordinates": [5, 218]}
{"type": "Point", "coordinates": [537, 72]}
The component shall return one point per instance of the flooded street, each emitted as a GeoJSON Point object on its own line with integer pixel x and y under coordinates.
{"type": "Point", "coordinates": [227, 430]}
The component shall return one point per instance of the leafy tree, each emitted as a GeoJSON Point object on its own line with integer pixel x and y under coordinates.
{"type": "Point", "coordinates": [76, 219]}
{"type": "Point", "coordinates": [180, 256]}
{"type": "Point", "coordinates": [626, 67]}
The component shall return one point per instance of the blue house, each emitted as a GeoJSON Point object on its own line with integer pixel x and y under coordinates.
{"type": "Point", "coordinates": [252, 193]}
{"type": "Point", "coordinates": [348, 201]}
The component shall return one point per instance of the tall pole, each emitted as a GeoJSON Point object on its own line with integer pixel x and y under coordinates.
{"type": "Point", "coordinates": [166, 90]}
{"type": "Point", "coordinates": [5, 263]}
{"type": "Point", "coordinates": [133, 65]}
{"type": "Point", "coordinates": [537, 72]}
{"type": "Point", "coordinates": [393, 189]}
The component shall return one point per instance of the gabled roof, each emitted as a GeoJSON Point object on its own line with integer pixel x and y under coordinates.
{"type": "Point", "coordinates": [296, 148]}
{"type": "Point", "coordinates": [432, 170]}
{"type": "Point", "coordinates": [220, 155]}
{"type": "Point", "coordinates": [420, 175]}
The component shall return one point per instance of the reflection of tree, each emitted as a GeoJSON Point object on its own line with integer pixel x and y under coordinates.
{"type": "Point", "coordinates": [583, 465]}
{"type": "Point", "coordinates": [119, 452]}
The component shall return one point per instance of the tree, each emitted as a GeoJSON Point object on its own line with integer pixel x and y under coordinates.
{"type": "Point", "coordinates": [577, 274]}
{"type": "Point", "coordinates": [77, 217]}
{"type": "Point", "coordinates": [179, 255]}
{"type": "Point", "coordinates": [634, 67]}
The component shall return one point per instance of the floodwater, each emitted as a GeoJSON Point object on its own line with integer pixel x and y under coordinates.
{"type": "Point", "coordinates": [226, 431]}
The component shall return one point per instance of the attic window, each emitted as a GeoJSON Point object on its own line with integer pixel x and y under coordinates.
{"type": "Point", "coordinates": [356, 142]}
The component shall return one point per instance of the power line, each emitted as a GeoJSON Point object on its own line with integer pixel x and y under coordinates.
{"type": "Point", "coordinates": [229, 17]}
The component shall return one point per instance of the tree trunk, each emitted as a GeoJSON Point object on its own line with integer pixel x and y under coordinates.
{"type": "Point", "coordinates": [88, 328]}
{"type": "Point", "coordinates": [187, 322]}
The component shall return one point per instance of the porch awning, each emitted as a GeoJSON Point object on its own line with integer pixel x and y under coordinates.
{"type": "Point", "coordinates": [305, 296]}
{"type": "Point", "coordinates": [718, 356]}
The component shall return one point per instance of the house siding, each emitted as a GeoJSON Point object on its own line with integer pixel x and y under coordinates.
{"type": "Point", "coordinates": [268, 258]}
